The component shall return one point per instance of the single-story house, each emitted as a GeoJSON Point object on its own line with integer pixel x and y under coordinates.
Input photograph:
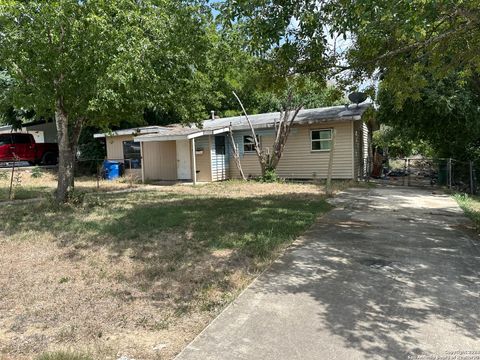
{"type": "Point", "coordinates": [42, 131]}
{"type": "Point", "coordinates": [203, 153]}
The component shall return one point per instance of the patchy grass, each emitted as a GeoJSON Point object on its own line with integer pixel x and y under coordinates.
{"type": "Point", "coordinates": [471, 206]}
{"type": "Point", "coordinates": [62, 355]}
{"type": "Point", "coordinates": [139, 274]}
{"type": "Point", "coordinates": [30, 183]}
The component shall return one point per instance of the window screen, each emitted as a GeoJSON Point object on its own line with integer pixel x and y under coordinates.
{"type": "Point", "coordinates": [131, 154]}
{"type": "Point", "coordinates": [321, 140]}
{"type": "Point", "coordinates": [249, 143]}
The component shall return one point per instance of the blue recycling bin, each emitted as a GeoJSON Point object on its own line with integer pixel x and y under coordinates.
{"type": "Point", "coordinates": [112, 169]}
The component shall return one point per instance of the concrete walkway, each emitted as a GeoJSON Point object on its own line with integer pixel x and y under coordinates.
{"type": "Point", "coordinates": [390, 273]}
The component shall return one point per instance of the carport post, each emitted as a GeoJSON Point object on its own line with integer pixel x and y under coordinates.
{"type": "Point", "coordinates": [194, 163]}
{"type": "Point", "coordinates": [142, 162]}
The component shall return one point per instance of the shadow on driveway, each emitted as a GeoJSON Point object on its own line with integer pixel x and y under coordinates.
{"type": "Point", "coordinates": [388, 274]}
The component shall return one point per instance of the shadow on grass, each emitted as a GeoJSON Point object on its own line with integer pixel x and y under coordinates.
{"type": "Point", "coordinates": [170, 232]}
{"type": "Point", "coordinates": [25, 192]}
{"type": "Point", "coordinates": [471, 207]}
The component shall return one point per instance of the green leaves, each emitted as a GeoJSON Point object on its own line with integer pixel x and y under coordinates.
{"type": "Point", "coordinates": [402, 39]}
{"type": "Point", "coordinates": [107, 59]}
{"type": "Point", "coordinates": [445, 116]}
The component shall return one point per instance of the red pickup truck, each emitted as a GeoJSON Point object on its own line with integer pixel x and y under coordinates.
{"type": "Point", "coordinates": [22, 147]}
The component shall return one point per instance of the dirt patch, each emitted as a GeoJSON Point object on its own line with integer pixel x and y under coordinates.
{"type": "Point", "coordinates": [64, 296]}
{"type": "Point", "coordinates": [138, 274]}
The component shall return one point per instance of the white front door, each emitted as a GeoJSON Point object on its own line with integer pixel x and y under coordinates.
{"type": "Point", "coordinates": [184, 168]}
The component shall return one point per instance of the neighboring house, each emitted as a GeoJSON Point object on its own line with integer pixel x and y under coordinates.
{"type": "Point", "coordinates": [43, 132]}
{"type": "Point", "coordinates": [193, 153]}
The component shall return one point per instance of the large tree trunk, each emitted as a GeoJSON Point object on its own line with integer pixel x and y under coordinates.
{"type": "Point", "coordinates": [66, 154]}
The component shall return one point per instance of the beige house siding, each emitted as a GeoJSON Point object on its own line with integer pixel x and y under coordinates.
{"type": "Point", "coordinates": [115, 146]}
{"type": "Point", "coordinates": [160, 160]}
{"type": "Point", "coordinates": [362, 144]}
{"type": "Point", "coordinates": [250, 166]}
{"type": "Point", "coordinates": [299, 161]}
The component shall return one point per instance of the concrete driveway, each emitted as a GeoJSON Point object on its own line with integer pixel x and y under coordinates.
{"type": "Point", "coordinates": [390, 273]}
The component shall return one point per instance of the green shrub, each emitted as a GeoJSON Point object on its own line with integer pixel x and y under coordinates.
{"type": "Point", "coordinates": [37, 172]}
{"type": "Point", "coordinates": [270, 176]}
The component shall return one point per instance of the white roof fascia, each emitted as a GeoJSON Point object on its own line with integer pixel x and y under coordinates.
{"type": "Point", "coordinates": [148, 130]}
{"type": "Point", "coordinates": [217, 131]}
{"type": "Point", "coordinates": [255, 126]}
{"type": "Point", "coordinates": [160, 137]}
{"type": "Point", "coordinates": [195, 135]}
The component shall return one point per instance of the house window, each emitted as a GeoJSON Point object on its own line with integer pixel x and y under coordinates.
{"type": "Point", "coordinates": [220, 145]}
{"type": "Point", "coordinates": [321, 140]}
{"type": "Point", "coordinates": [132, 155]}
{"type": "Point", "coordinates": [249, 143]}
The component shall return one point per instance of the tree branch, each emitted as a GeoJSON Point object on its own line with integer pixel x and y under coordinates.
{"type": "Point", "coordinates": [257, 145]}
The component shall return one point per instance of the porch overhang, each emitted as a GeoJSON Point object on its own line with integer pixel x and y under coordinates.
{"type": "Point", "coordinates": [167, 137]}
{"type": "Point", "coordinates": [174, 136]}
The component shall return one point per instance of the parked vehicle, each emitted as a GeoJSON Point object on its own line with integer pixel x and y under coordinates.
{"type": "Point", "coordinates": [22, 147]}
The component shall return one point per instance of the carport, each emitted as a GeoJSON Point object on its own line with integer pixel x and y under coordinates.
{"type": "Point", "coordinates": [172, 154]}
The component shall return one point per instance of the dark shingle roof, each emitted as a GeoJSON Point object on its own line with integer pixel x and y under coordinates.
{"type": "Point", "coordinates": [334, 113]}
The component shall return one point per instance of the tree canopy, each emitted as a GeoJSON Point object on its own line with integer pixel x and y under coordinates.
{"type": "Point", "coordinates": [98, 62]}
{"type": "Point", "coordinates": [400, 39]}
{"type": "Point", "coordinates": [445, 116]}
{"type": "Point", "coordinates": [425, 54]}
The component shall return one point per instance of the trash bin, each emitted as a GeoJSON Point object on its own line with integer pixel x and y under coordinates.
{"type": "Point", "coordinates": [112, 169]}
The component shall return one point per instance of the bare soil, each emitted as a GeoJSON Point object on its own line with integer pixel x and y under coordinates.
{"type": "Point", "coordinates": [138, 274]}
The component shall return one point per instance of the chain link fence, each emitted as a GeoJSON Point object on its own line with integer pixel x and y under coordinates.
{"type": "Point", "coordinates": [21, 181]}
{"type": "Point", "coordinates": [445, 173]}
{"type": "Point", "coordinates": [110, 170]}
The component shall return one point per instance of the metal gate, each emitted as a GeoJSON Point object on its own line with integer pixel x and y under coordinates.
{"type": "Point", "coordinates": [428, 172]}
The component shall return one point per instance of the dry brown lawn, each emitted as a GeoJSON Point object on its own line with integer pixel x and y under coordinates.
{"type": "Point", "coordinates": [138, 274]}
{"type": "Point", "coordinates": [27, 186]}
